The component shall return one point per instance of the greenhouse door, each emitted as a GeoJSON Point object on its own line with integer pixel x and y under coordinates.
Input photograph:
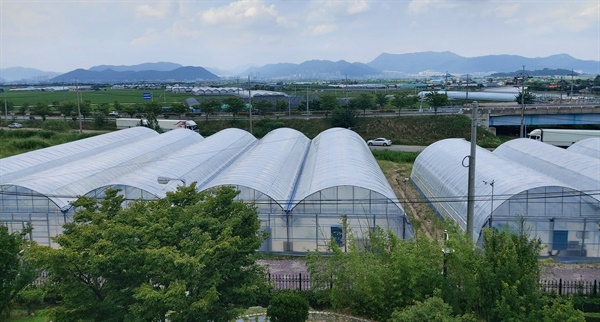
{"type": "Point", "coordinates": [560, 239]}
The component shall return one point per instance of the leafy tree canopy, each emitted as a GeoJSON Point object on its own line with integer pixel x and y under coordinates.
{"type": "Point", "coordinates": [186, 257]}
{"type": "Point", "coordinates": [16, 272]}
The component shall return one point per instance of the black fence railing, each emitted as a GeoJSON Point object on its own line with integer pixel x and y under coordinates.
{"type": "Point", "coordinates": [302, 282]}
{"type": "Point", "coordinates": [561, 287]}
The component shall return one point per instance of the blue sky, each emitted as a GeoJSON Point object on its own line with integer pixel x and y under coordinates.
{"type": "Point", "coordinates": [63, 35]}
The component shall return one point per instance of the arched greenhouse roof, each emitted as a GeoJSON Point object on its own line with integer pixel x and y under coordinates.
{"type": "Point", "coordinates": [439, 173]}
{"type": "Point", "coordinates": [589, 147]}
{"type": "Point", "coordinates": [269, 166]}
{"type": "Point", "coordinates": [577, 170]}
{"type": "Point", "coordinates": [198, 162]}
{"type": "Point", "coordinates": [44, 159]}
{"type": "Point", "coordinates": [340, 157]}
{"type": "Point", "coordinates": [64, 183]}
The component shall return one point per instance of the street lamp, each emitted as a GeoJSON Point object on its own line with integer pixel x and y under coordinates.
{"type": "Point", "coordinates": [165, 180]}
{"type": "Point", "coordinates": [491, 183]}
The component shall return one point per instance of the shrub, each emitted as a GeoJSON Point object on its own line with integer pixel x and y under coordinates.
{"type": "Point", "coordinates": [56, 125]}
{"type": "Point", "coordinates": [288, 306]}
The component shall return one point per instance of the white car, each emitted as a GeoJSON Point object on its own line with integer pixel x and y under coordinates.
{"type": "Point", "coordinates": [15, 125]}
{"type": "Point", "coordinates": [380, 141]}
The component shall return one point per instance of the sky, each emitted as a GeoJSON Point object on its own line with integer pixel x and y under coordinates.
{"type": "Point", "coordinates": [64, 35]}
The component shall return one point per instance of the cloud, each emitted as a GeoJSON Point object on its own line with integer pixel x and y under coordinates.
{"type": "Point", "coordinates": [323, 29]}
{"type": "Point", "coordinates": [240, 13]}
{"type": "Point", "coordinates": [159, 11]}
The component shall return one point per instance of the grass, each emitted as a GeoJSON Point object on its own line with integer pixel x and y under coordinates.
{"type": "Point", "coordinates": [124, 96]}
{"type": "Point", "coordinates": [13, 142]}
{"type": "Point", "coordinates": [21, 315]}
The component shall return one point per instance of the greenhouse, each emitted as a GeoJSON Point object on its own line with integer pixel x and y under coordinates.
{"type": "Point", "coordinates": [556, 205]}
{"type": "Point", "coordinates": [589, 147]}
{"type": "Point", "coordinates": [301, 188]}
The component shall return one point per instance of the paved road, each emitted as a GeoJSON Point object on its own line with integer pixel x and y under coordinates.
{"type": "Point", "coordinates": [405, 148]}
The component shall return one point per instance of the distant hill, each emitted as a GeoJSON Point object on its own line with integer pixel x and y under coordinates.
{"type": "Point", "coordinates": [381, 67]}
{"type": "Point", "coordinates": [537, 73]}
{"type": "Point", "coordinates": [313, 69]}
{"type": "Point", "coordinates": [160, 66]}
{"type": "Point", "coordinates": [181, 74]}
{"type": "Point", "coordinates": [22, 74]}
{"type": "Point", "coordinates": [449, 62]}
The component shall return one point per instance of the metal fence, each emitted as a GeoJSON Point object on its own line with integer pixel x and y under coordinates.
{"type": "Point", "coordinates": [302, 282]}
{"type": "Point", "coordinates": [561, 287]}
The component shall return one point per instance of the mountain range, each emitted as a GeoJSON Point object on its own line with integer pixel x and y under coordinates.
{"type": "Point", "coordinates": [383, 66]}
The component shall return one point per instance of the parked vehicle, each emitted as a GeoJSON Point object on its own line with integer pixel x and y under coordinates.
{"type": "Point", "coordinates": [15, 125]}
{"type": "Point", "coordinates": [562, 137]}
{"type": "Point", "coordinates": [380, 141]}
{"type": "Point", "coordinates": [165, 124]}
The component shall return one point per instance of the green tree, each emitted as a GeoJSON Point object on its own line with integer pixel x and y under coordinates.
{"type": "Point", "coordinates": [85, 108]}
{"type": "Point", "coordinates": [529, 97]}
{"type": "Point", "coordinates": [377, 277]}
{"type": "Point", "coordinates": [433, 309]}
{"type": "Point", "coordinates": [235, 105]}
{"type": "Point", "coordinates": [343, 117]}
{"type": "Point", "coordinates": [41, 109]}
{"type": "Point", "coordinates": [265, 107]}
{"type": "Point", "coordinates": [24, 108]}
{"type": "Point", "coordinates": [210, 107]}
{"type": "Point", "coordinates": [67, 109]}
{"type": "Point", "coordinates": [403, 99]}
{"type": "Point", "coordinates": [179, 109]}
{"type": "Point", "coordinates": [329, 103]}
{"type": "Point", "coordinates": [117, 106]}
{"type": "Point", "coordinates": [186, 257]}
{"type": "Point", "coordinates": [103, 108]}
{"type": "Point", "coordinates": [281, 105]}
{"type": "Point", "coordinates": [288, 306]}
{"type": "Point", "coordinates": [132, 109]}
{"type": "Point", "coordinates": [509, 278]}
{"type": "Point", "coordinates": [152, 108]}
{"type": "Point", "coordinates": [363, 102]}
{"type": "Point", "coordinates": [436, 100]}
{"type": "Point", "coordinates": [381, 99]}
{"type": "Point", "coordinates": [16, 272]}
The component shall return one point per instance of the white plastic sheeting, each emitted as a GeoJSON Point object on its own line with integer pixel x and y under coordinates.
{"type": "Point", "coordinates": [45, 159]}
{"type": "Point", "coordinates": [589, 147]}
{"type": "Point", "coordinates": [301, 188]}
{"type": "Point", "coordinates": [547, 202]}
{"type": "Point", "coordinates": [580, 171]}
{"type": "Point", "coordinates": [62, 184]}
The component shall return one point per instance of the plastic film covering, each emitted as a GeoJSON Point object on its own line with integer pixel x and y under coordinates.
{"type": "Point", "coordinates": [439, 174]}
{"type": "Point", "coordinates": [270, 166]}
{"type": "Point", "coordinates": [64, 183]}
{"type": "Point", "coordinates": [35, 161]}
{"type": "Point", "coordinates": [577, 170]}
{"type": "Point", "coordinates": [197, 163]}
{"type": "Point", "coordinates": [340, 157]}
{"type": "Point", "coordinates": [589, 147]}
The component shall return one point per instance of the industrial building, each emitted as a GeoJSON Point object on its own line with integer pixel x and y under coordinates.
{"type": "Point", "coordinates": [554, 192]}
{"type": "Point", "coordinates": [302, 188]}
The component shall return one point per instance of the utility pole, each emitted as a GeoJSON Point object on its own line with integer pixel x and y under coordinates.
{"type": "Point", "coordinates": [250, 103]}
{"type": "Point", "coordinates": [79, 108]}
{"type": "Point", "coordinates": [471, 186]}
{"type": "Point", "coordinates": [522, 134]}
{"type": "Point", "coordinates": [571, 93]}
{"type": "Point", "coordinates": [307, 110]}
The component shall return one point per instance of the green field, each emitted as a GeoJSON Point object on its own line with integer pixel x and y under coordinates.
{"type": "Point", "coordinates": [123, 96]}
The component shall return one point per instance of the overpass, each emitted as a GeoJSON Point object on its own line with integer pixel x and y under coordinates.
{"type": "Point", "coordinates": [538, 114]}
